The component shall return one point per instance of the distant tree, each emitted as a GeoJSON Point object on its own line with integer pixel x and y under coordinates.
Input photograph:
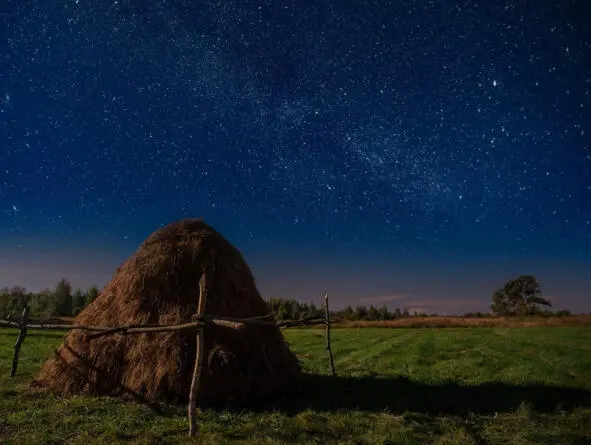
{"type": "Point", "coordinates": [78, 301]}
{"type": "Point", "coordinates": [296, 310]}
{"type": "Point", "coordinates": [348, 313]}
{"type": "Point", "coordinates": [520, 296]}
{"type": "Point", "coordinates": [91, 295]}
{"type": "Point", "coordinates": [272, 305]}
{"type": "Point", "coordinates": [397, 313]}
{"type": "Point", "coordinates": [282, 311]}
{"type": "Point", "coordinates": [372, 314]}
{"type": "Point", "coordinates": [291, 309]}
{"type": "Point", "coordinates": [405, 313]}
{"type": "Point", "coordinates": [360, 312]}
{"type": "Point", "coordinates": [313, 311]}
{"type": "Point", "coordinates": [4, 301]}
{"type": "Point", "coordinates": [18, 299]}
{"type": "Point", "coordinates": [63, 295]}
{"type": "Point", "coordinates": [43, 303]}
{"type": "Point", "coordinates": [383, 313]}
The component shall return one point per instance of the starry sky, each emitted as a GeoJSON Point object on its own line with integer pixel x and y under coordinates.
{"type": "Point", "coordinates": [412, 153]}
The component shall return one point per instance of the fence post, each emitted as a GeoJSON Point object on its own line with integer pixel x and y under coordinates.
{"type": "Point", "coordinates": [199, 352]}
{"type": "Point", "coordinates": [328, 348]}
{"type": "Point", "coordinates": [20, 339]}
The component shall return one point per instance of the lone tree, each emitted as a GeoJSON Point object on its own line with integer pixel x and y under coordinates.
{"type": "Point", "coordinates": [520, 296]}
{"type": "Point", "coordinates": [63, 295]}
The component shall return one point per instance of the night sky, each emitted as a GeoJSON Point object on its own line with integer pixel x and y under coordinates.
{"type": "Point", "coordinates": [413, 153]}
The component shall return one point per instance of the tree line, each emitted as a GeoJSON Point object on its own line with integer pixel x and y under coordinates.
{"type": "Point", "coordinates": [290, 309]}
{"type": "Point", "coordinates": [521, 296]}
{"type": "Point", "coordinates": [62, 301]}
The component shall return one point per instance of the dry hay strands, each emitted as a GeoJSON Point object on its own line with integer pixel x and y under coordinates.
{"type": "Point", "coordinates": [159, 284]}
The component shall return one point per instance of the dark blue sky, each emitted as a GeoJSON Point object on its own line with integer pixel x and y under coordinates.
{"type": "Point", "coordinates": [417, 153]}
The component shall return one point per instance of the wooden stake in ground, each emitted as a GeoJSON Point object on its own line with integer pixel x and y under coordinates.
{"type": "Point", "coordinates": [328, 348]}
{"type": "Point", "coordinates": [19, 340]}
{"type": "Point", "coordinates": [199, 352]}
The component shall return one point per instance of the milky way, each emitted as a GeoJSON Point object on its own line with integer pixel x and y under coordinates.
{"type": "Point", "coordinates": [417, 125]}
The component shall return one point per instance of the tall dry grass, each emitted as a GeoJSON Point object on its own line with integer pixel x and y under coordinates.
{"type": "Point", "coordinates": [464, 322]}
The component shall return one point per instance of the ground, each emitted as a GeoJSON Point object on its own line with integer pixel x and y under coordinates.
{"type": "Point", "coordinates": [394, 386]}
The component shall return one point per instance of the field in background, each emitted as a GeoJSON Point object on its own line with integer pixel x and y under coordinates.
{"type": "Point", "coordinates": [395, 386]}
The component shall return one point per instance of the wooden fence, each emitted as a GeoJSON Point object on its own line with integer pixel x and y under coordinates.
{"type": "Point", "coordinates": [199, 321]}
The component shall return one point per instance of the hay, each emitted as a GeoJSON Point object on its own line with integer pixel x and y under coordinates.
{"type": "Point", "coordinates": [159, 284]}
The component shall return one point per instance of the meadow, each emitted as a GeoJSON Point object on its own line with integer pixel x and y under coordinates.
{"type": "Point", "coordinates": [486, 385]}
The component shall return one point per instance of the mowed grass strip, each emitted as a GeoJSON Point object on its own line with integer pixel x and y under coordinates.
{"type": "Point", "coordinates": [394, 386]}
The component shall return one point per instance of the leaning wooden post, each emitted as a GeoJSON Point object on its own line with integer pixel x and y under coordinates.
{"type": "Point", "coordinates": [192, 408]}
{"type": "Point", "coordinates": [328, 348]}
{"type": "Point", "coordinates": [19, 340]}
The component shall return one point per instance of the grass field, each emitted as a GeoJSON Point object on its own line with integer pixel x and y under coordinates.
{"type": "Point", "coordinates": [395, 386]}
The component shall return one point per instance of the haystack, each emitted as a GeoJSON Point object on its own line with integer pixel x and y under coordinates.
{"type": "Point", "coordinates": [159, 284]}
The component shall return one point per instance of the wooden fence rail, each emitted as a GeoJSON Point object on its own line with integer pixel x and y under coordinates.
{"type": "Point", "coordinates": [199, 323]}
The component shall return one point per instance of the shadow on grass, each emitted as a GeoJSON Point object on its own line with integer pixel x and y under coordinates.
{"type": "Point", "coordinates": [325, 393]}
{"type": "Point", "coordinates": [398, 395]}
{"type": "Point", "coordinates": [374, 394]}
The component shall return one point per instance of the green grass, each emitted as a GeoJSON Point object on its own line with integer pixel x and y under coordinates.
{"type": "Point", "coordinates": [395, 386]}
